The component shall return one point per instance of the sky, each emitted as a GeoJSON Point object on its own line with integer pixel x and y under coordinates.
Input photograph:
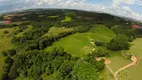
{"type": "Point", "coordinates": [127, 8]}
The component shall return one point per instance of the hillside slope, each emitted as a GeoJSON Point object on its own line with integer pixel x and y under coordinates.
{"type": "Point", "coordinates": [63, 44]}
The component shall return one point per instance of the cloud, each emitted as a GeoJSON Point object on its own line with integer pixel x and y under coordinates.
{"type": "Point", "coordinates": [116, 7]}
{"type": "Point", "coordinates": [130, 2]}
{"type": "Point", "coordinates": [123, 11]}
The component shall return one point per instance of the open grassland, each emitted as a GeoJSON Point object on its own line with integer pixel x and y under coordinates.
{"type": "Point", "coordinates": [21, 33]}
{"type": "Point", "coordinates": [5, 43]}
{"type": "Point", "coordinates": [106, 74]}
{"type": "Point", "coordinates": [79, 44]}
{"type": "Point", "coordinates": [117, 61]}
{"type": "Point", "coordinates": [53, 31]}
{"type": "Point", "coordinates": [67, 19]}
{"type": "Point", "coordinates": [134, 72]}
{"type": "Point", "coordinates": [102, 30]}
{"type": "Point", "coordinates": [5, 39]}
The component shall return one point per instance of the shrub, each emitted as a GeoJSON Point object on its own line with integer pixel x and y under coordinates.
{"type": "Point", "coordinates": [5, 32]}
{"type": "Point", "coordinates": [99, 43]}
{"type": "Point", "coordinates": [4, 54]}
{"type": "Point", "coordinates": [11, 52]}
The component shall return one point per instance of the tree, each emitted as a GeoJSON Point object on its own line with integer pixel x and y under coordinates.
{"type": "Point", "coordinates": [11, 52]}
{"type": "Point", "coordinates": [4, 53]}
{"type": "Point", "coordinates": [100, 52]}
{"type": "Point", "coordinates": [13, 74]}
{"type": "Point", "coordinates": [99, 43]}
{"type": "Point", "coordinates": [100, 65]}
{"type": "Point", "coordinates": [5, 76]}
{"type": "Point", "coordinates": [65, 68]}
{"type": "Point", "coordinates": [49, 71]}
{"type": "Point", "coordinates": [119, 43]}
{"type": "Point", "coordinates": [8, 60]}
{"type": "Point", "coordinates": [84, 71]}
{"type": "Point", "coordinates": [5, 32]}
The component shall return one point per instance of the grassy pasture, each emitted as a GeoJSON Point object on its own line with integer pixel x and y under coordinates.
{"type": "Point", "coordinates": [132, 73]}
{"type": "Point", "coordinates": [79, 44]}
{"type": "Point", "coordinates": [67, 19]}
{"type": "Point", "coordinates": [53, 31]}
{"type": "Point", "coordinates": [5, 43]}
{"type": "Point", "coordinates": [117, 61]}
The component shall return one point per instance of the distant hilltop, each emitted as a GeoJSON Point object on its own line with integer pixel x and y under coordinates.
{"type": "Point", "coordinates": [9, 16]}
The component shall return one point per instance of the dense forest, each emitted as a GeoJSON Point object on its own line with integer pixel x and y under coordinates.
{"type": "Point", "coordinates": [30, 60]}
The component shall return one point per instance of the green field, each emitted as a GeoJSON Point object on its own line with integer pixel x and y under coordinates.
{"type": "Point", "coordinates": [53, 31]}
{"type": "Point", "coordinates": [117, 61]}
{"type": "Point", "coordinates": [134, 72]}
{"type": "Point", "coordinates": [5, 43]}
{"type": "Point", "coordinates": [67, 19]}
{"type": "Point", "coordinates": [79, 44]}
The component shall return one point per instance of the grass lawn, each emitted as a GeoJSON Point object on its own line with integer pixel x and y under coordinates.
{"type": "Point", "coordinates": [79, 44]}
{"type": "Point", "coordinates": [5, 44]}
{"type": "Point", "coordinates": [67, 19]}
{"type": "Point", "coordinates": [53, 31]}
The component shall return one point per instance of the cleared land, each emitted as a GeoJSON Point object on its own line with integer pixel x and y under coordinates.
{"type": "Point", "coordinates": [79, 44]}
{"type": "Point", "coordinates": [134, 59]}
{"type": "Point", "coordinates": [134, 72]}
{"type": "Point", "coordinates": [53, 31]}
{"type": "Point", "coordinates": [67, 19]}
{"type": "Point", "coordinates": [117, 61]}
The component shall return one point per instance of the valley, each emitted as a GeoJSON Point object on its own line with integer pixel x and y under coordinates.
{"type": "Point", "coordinates": [69, 45]}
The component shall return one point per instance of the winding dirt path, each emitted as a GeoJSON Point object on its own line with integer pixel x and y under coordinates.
{"type": "Point", "coordinates": [107, 61]}
{"type": "Point", "coordinates": [134, 59]}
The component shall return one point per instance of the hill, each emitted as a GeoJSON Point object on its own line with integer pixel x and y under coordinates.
{"type": "Point", "coordinates": [61, 44]}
